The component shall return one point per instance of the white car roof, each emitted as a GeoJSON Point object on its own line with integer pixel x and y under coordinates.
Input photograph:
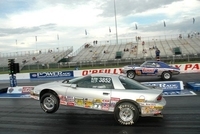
{"type": "Point", "coordinates": [105, 75]}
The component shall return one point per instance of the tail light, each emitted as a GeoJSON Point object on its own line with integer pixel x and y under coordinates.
{"type": "Point", "coordinates": [159, 97]}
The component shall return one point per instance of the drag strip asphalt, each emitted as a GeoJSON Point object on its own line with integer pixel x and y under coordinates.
{"type": "Point", "coordinates": [24, 116]}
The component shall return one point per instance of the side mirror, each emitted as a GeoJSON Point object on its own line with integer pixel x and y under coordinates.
{"type": "Point", "coordinates": [73, 85]}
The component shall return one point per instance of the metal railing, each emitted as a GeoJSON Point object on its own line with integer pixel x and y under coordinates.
{"type": "Point", "coordinates": [104, 63]}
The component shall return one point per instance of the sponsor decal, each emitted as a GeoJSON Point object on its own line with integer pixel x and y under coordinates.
{"type": "Point", "coordinates": [113, 102]}
{"type": "Point", "coordinates": [52, 74]}
{"type": "Point", "coordinates": [105, 104]}
{"type": "Point", "coordinates": [63, 100]}
{"type": "Point", "coordinates": [97, 103]}
{"type": "Point", "coordinates": [140, 100]}
{"type": "Point", "coordinates": [27, 89]}
{"type": "Point", "coordinates": [115, 99]}
{"type": "Point", "coordinates": [88, 102]}
{"type": "Point", "coordinates": [150, 109]}
{"type": "Point", "coordinates": [70, 101]}
{"type": "Point", "coordinates": [148, 70]}
{"type": "Point", "coordinates": [79, 102]}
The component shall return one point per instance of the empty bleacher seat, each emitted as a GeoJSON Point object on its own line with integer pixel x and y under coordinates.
{"type": "Point", "coordinates": [177, 50]}
{"type": "Point", "coordinates": [118, 55]}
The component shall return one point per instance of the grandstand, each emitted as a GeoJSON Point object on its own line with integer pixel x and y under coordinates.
{"type": "Point", "coordinates": [43, 56]}
{"type": "Point", "coordinates": [169, 47]}
{"type": "Point", "coordinates": [126, 51]}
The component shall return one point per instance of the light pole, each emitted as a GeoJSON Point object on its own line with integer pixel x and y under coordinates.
{"type": "Point", "coordinates": [36, 43]}
{"type": "Point", "coordinates": [116, 23]}
{"type": "Point", "coordinates": [16, 45]}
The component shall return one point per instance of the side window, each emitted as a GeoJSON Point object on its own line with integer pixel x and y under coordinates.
{"type": "Point", "coordinates": [152, 64]}
{"type": "Point", "coordinates": [126, 84]}
{"type": "Point", "coordinates": [148, 64]}
{"type": "Point", "coordinates": [157, 65]}
{"type": "Point", "coordinates": [102, 82]}
{"type": "Point", "coordinates": [85, 82]}
{"type": "Point", "coordinates": [130, 84]}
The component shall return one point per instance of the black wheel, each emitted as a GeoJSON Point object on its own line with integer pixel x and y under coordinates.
{"type": "Point", "coordinates": [126, 113]}
{"type": "Point", "coordinates": [131, 74]}
{"type": "Point", "coordinates": [49, 103]}
{"type": "Point", "coordinates": [166, 76]}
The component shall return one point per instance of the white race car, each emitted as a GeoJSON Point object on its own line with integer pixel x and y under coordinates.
{"type": "Point", "coordinates": [126, 98]}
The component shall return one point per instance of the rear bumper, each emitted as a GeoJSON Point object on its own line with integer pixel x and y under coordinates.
{"type": "Point", "coordinates": [152, 109]}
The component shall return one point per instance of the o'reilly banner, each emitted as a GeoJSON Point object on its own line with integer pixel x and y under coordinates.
{"type": "Point", "coordinates": [57, 74]}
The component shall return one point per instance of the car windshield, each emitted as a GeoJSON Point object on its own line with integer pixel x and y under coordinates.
{"type": "Point", "coordinates": [130, 84]}
{"type": "Point", "coordinates": [150, 64]}
{"type": "Point", "coordinates": [143, 64]}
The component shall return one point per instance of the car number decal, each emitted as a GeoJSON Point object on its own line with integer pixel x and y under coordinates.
{"type": "Point", "coordinates": [104, 80]}
{"type": "Point", "coordinates": [100, 80]}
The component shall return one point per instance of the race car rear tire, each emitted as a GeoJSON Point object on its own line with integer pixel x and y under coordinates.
{"type": "Point", "coordinates": [126, 113]}
{"type": "Point", "coordinates": [166, 75]}
{"type": "Point", "coordinates": [131, 74]}
{"type": "Point", "coordinates": [49, 102]}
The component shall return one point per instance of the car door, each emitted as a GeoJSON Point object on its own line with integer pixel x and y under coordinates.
{"type": "Point", "coordinates": [150, 68]}
{"type": "Point", "coordinates": [90, 92]}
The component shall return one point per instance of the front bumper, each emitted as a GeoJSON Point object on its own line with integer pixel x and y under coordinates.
{"type": "Point", "coordinates": [34, 95]}
{"type": "Point", "coordinates": [175, 72]}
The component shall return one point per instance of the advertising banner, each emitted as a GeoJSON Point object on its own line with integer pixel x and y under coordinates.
{"type": "Point", "coordinates": [178, 93]}
{"type": "Point", "coordinates": [184, 68]}
{"type": "Point", "coordinates": [58, 74]}
{"type": "Point", "coordinates": [167, 85]}
{"type": "Point", "coordinates": [20, 90]}
{"type": "Point", "coordinates": [78, 73]}
{"type": "Point", "coordinates": [188, 68]}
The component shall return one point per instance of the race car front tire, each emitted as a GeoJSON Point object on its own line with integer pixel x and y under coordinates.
{"type": "Point", "coordinates": [49, 102]}
{"type": "Point", "coordinates": [126, 113]}
{"type": "Point", "coordinates": [166, 75]}
{"type": "Point", "coordinates": [131, 74]}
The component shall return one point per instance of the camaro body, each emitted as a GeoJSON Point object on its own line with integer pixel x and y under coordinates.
{"type": "Point", "coordinates": [103, 92]}
{"type": "Point", "coordinates": [151, 68]}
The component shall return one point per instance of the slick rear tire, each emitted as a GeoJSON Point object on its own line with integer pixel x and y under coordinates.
{"type": "Point", "coordinates": [126, 113]}
{"type": "Point", "coordinates": [131, 74]}
{"type": "Point", "coordinates": [49, 103]}
{"type": "Point", "coordinates": [166, 75]}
